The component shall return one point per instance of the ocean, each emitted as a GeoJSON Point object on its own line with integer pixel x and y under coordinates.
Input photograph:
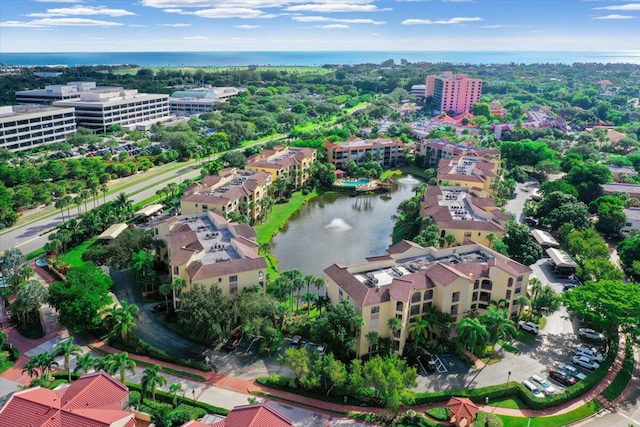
{"type": "Point", "coordinates": [293, 58]}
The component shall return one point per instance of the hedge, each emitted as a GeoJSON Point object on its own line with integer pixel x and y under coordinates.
{"type": "Point", "coordinates": [621, 380]}
{"type": "Point", "coordinates": [166, 397]}
{"type": "Point", "coordinates": [337, 395]}
{"type": "Point", "coordinates": [14, 354]}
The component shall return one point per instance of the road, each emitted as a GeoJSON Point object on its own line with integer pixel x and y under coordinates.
{"type": "Point", "coordinates": [33, 236]}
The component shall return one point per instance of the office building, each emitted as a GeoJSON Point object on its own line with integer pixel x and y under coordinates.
{"type": "Point", "coordinates": [52, 93]}
{"type": "Point", "coordinates": [409, 280]}
{"type": "Point", "coordinates": [99, 109]}
{"type": "Point", "coordinates": [200, 100]}
{"type": "Point", "coordinates": [453, 94]}
{"type": "Point", "coordinates": [28, 126]}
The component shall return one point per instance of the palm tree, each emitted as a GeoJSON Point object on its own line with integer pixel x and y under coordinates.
{"type": "Point", "coordinates": [174, 389]}
{"type": "Point", "coordinates": [78, 201]}
{"type": "Point", "coordinates": [151, 379]}
{"type": "Point", "coordinates": [418, 331]}
{"type": "Point", "coordinates": [120, 362]}
{"type": "Point", "coordinates": [472, 333]}
{"type": "Point", "coordinates": [536, 287]}
{"type": "Point", "coordinates": [264, 248]}
{"type": "Point", "coordinates": [123, 319]}
{"type": "Point", "coordinates": [394, 324]}
{"type": "Point", "coordinates": [67, 349]}
{"type": "Point", "coordinates": [165, 290]}
{"type": "Point", "coordinates": [45, 362]}
{"type": "Point", "coordinates": [142, 266]}
{"type": "Point", "coordinates": [491, 237]}
{"type": "Point", "coordinates": [84, 195]}
{"type": "Point", "coordinates": [498, 324]}
{"type": "Point", "coordinates": [523, 301]}
{"type": "Point", "coordinates": [104, 188]}
{"type": "Point", "coordinates": [449, 239]}
{"type": "Point", "coordinates": [373, 338]}
{"type": "Point", "coordinates": [84, 362]}
{"type": "Point", "coordinates": [31, 368]}
{"type": "Point", "coordinates": [310, 299]}
{"type": "Point", "coordinates": [176, 287]}
{"type": "Point", "coordinates": [322, 302]}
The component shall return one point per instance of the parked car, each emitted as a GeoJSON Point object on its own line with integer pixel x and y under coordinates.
{"type": "Point", "coordinates": [562, 378]}
{"type": "Point", "coordinates": [528, 326]}
{"type": "Point", "coordinates": [590, 353]}
{"type": "Point", "coordinates": [297, 339]}
{"type": "Point", "coordinates": [542, 384]}
{"type": "Point", "coordinates": [529, 220]}
{"type": "Point", "coordinates": [161, 307]}
{"type": "Point", "coordinates": [571, 370]}
{"type": "Point", "coordinates": [585, 362]}
{"type": "Point", "coordinates": [590, 334]}
{"type": "Point", "coordinates": [532, 388]}
{"type": "Point", "coordinates": [234, 340]}
{"type": "Point", "coordinates": [320, 350]}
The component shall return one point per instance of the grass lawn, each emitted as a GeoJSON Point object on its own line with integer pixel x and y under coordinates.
{"type": "Point", "coordinates": [554, 421]}
{"type": "Point", "coordinates": [414, 170]}
{"type": "Point", "coordinates": [279, 215]}
{"type": "Point", "coordinates": [525, 337]}
{"type": "Point", "coordinates": [508, 347]}
{"type": "Point", "coordinates": [74, 256]}
{"type": "Point", "coordinates": [621, 381]}
{"type": "Point", "coordinates": [391, 173]}
{"type": "Point", "coordinates": [38, 253]}
{"type": "Point", "coordinates": [509, 402]}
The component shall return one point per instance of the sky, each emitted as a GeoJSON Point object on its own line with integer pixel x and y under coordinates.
{"type": "Point", "coordinates": [317, 25]}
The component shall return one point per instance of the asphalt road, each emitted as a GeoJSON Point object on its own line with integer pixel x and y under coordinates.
{"type": "Point", "coordinates": [31, 237]}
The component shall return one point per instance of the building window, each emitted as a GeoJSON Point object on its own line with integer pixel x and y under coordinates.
{"type": "Point", "coordinates": [428, 295]}
{"type": "Point", "coordinates": [340, 294]}
{"type": "Point", "coordinates": [454, 310]}
{"type": "Point", "coordinates": [476, 284]}
{"type": "Point", "coordinates": [233, 288]}
{"type": "Point", "coordinates": [455, 297]}
{"type": "Point", "coordinates": [416, 297]}
{"type": "Point", "coordinates": [474, 297]}
{"type": "Point", "coordinates": [510, 282]}
{"type": "Point", "coordinates": [399, 306]}
{"type": "Point", "coordinates": [375, 309]}
{"type": "Point", "coordinates": [415, 309]}
{"type": "Point", "coordinates": [426, 306]}
{"type": "Point", "coordinates": [508, 295]}
{"type": "Point", "coordinates": [374, 323]}
{"type": "Point", "coordinates": [486, 284]}
{"type": "Point", "coordinates": [176, 270]}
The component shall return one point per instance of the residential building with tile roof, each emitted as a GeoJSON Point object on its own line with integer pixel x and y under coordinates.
{"type": "Point", "coordinates": [386, 151]}
{"type": "Point", "coordinates": [205, 248]}
{"type": "Point", "coordinates": [434, 150]}
{"type": "Point", "coordinates": [257, 415]}
{"type": "Point", "coordinates": [409, 279]}
{"type": "Point", "coordinates": [94, 400]}
{"type": "Point", "coordinates": [232, 190]}
{"type": "Point", "coordinates": [469, 171]}
{"type": "Point", "coordinates": [281, 161]}
{"type": "Point", "coordinates": [464, 213]}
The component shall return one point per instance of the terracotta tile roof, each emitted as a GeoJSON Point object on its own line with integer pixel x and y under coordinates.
{"type": "Point", "coordinates": [470, 225]}
{"type": "Point", "coordinates": [403, 287]}
{"type": "Point", "coordinates": [379, 258]}
{"type": "Point", "coordinates": [94, 400]}
{"type": "Point", "coordinates": [462, 407]}
{"type": "Point", "coordinates": [245, 230]}
{"type": "Point", "coordinates": [211, 180]}
{"type": "Point", "coordinates": [512, 267]}
{"type": "Point", "coordinates": [444, 274]}
{"type": "Point", "coordinates": [181, 257]}
{"type": "Point", "coordinates": [360, 292]}
{"type": "Point", "coordinates": [206, 198]}
{"type": "Point", "coordinates": [225, 268]}
{"type": "Point", "coordinates": [478, 270]}
{"type": "Point", "coordinates": [402, 247]}
{"type": "Point", "coordinates": [195, 423]}
{"type": "Point", "coordinates": [255, 416]}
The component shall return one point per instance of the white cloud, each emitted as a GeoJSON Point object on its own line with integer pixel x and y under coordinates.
{"type": "Point", "coordinates": [195, 38]}
{"type": "Point", "coordinates": [629, 7]}
{"type": "Point", "coordinates": [615, 17]}
{"type": "Point", "coordinates": [136, 25]}
{"type": "Point", "coordinates": [334, 26]}
{"type": "Point", "coordinates": [60, 22]}
{"type": "Point", "coordinates": [335, 7]}
{"type": "Point", "coordinates": [175, 25]}
{"type": "Point", "coordinates": [493, 26]}
{"type": "Point", "coordinates": [342, 21]}
{"type": "Point", "coordinates": [247, 26]}
{"type": "Point", "coordinates": [81, 11]}
{"type": "Point", "coordinates": [231, 12]}
{"type": "Point", "coordinates": [452, 21]}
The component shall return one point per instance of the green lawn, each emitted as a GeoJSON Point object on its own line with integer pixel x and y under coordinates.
{"type": "Point", "coordinates": [509, 402]}
{"type": "Point", "coordinates": [621, 381]}
{"type": "Point", "coordinates": [554, 421]}
{"type": "Point", "coordinates": [74, 256]}
{"type": "Point", "coordinates": [525, 337]}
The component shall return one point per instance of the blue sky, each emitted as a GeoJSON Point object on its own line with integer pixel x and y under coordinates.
{"type": "Point", "coordinates": [266, 25]}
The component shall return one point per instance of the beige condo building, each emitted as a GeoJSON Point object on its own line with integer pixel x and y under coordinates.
{"type": "Point", "coordinates": [408, 279]}
{"type": "Point", "coordinates": [469, 171]}
{"type": "Point", "coordinates": [284, 161]}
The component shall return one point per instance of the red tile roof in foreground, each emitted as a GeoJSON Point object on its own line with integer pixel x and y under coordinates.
{"type": "Point", "coordinates": [462, 407]}
{"type": "Point", "coordinates": [254, 416]}
{"type": "Point", "coordinates": [94, 400]}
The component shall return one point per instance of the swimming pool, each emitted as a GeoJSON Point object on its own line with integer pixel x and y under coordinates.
{"type": "Point", "coordinates": [357, 183]}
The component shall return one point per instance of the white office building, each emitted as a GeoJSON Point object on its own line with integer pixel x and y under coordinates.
{"type": "Point", "coordinates": [99, 109]}
{"type": "Point", "coordinates": [27, 126]}
{"type": "Point", "coordinates": [200, 100]}
{"type": "Point", "coordinates": [52, 93]}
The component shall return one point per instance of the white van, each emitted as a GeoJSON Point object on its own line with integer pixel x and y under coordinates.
{"type": "Point", "coordinates": [532, 388]}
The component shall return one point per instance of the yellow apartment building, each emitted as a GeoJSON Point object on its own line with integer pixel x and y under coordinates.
{"type": "Point", "coordinates": [386, 151]}
{"type": "Point", "coordinates": [408, 279]}
{"type": "Point", "coordinates": [229, 191]}
{"type": "Point", "coordinates": [205, 248]}
{"type": "Point", "coordinates": [463, 213]}
{"type": "Point", "coordinates": [469, 171]}
{"type": "Point", "coordinates": [284, 161]}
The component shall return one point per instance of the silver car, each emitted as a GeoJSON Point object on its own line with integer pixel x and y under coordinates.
{"type": "Point", "coordinates": [590, 334]}
{"type": "Point", "coordinates": [571, 370]}
{"type": "Point", "coordinates": [587, 352]}
{"type": "Point", "coordinates": [585, 362]}
{"type": "Point", "coordinates": [542, 384]}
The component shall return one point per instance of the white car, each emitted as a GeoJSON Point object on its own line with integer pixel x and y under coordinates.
{"type": "Point", "coordinates": [585, 362]}
{"type": "Point", "coordinates": [590, 334]}
{"type": "Point", "coordinates": [588, 352]}
{"type": "Point", "coordinates": [533, 389]}
{"type": "Point", "coordinates": [543, 384]}
{"type": "Point", "coordinates": [571, 370]}
{"type": "Point", "coordinates": [529, 327]}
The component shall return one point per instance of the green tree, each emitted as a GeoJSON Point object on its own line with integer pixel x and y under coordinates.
{"type": "Point", "coordinates": [120, 362]}
{"type": "Point", "coordinates": [206, 314]}
{"type": "Point", "coordinates": [122, 320]}
{"type": "Point", "coordinates": [84, 362]}
{"type": "Point", "coordinates": [391, 381]}
{"type": "Point", "coordinates": [498, 324]}
{"type": "Point", "coordinates": [520, 245]}
{"type": "Point", "coordinates": [546, 301]}
{"type": "Point", "coordinates": [629, 251]}
{"type": "Point", "coordinates": [80, 299]}
{"type": "Point", "coordinates": [174, 389]}
{"type": "Point", "coordinates": [151, 380]}
{"type": "Point", "coordinates": [142, 267]}
{"type": "Point", "coordinates": [338, 328]}
{"type": "Point", "coordinates": [472, 333]}
{"type": "Point", "coordinates": [419, 332]}
{"type": "Point", "coordinates": [606, 305]}
{"type": "Point", "coordinates": [67, 349]}
{"type": "Point", "coordinates": [298, 360]}
{"type": "Point", "coordinates": [333, 373]}
{"type": "Point", "coordinates": [587, 179]}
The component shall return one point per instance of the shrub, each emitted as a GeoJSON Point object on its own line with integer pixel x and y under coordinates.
{"type": "Point", "coordinates": [134, 398]}
{"type": "Point", "coordinates": [442, 414]}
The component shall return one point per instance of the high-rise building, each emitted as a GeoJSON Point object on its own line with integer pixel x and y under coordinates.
{"type": "Point", "coordinates": [27, 126]}
{"type": "Point", "coordinates": [454, 94]}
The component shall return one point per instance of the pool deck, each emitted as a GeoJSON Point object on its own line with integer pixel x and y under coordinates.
{"type": "Point", "coordinates": [371, 185]}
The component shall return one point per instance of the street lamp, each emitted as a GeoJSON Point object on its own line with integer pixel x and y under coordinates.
{"type": "Point", "coordinates": [507, 386]}
{"type": "Point", "coordinates": [193, 392]}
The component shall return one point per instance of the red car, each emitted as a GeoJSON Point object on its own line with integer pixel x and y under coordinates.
{"type": "Point", "coordinates": [562, 378]}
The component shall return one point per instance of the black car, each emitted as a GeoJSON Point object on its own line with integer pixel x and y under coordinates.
{"type": "Point", "coordinates": [161, 307]}
{"type": "Point", "coordinates": [562, 378]}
